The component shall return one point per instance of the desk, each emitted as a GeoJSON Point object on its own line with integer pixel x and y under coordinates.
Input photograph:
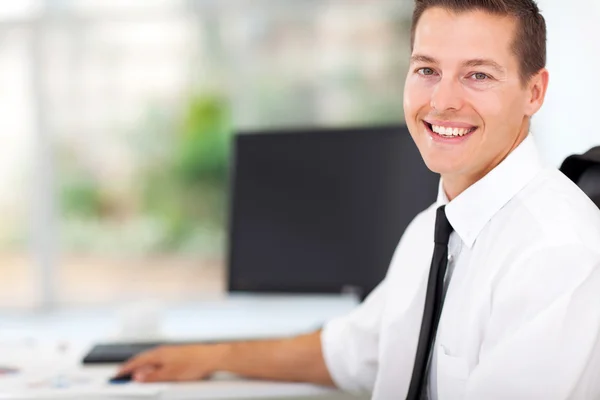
{"type": "Point", "coordinates": [58, 340]}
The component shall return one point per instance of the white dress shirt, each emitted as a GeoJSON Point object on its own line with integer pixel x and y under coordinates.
{"type": "Point", "coordinates": [521, 318]}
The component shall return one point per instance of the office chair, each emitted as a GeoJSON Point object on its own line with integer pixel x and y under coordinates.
{"type": "Point", "coordinates": [589, 182]}
{"type": "Point", "coordinates": [584, 170]}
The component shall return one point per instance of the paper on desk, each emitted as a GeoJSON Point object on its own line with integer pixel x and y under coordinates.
{"type": "Point", "coordinates": [76, 384]}
{"type": "Point", "coordinates": [112, 393]}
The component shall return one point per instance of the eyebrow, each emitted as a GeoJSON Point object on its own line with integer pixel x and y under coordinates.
{"type": "Point", "coordinates": [476, 62]}
{"type": "Point", "coordinates": [415, 58]}
{"type": "Point", "coordinates": [482, 62]}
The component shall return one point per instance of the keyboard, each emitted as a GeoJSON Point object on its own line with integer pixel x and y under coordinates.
{"type": "Point", "coordinates": [114, 353]}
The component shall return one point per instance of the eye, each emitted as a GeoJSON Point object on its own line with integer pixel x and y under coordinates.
{"type": "Point", "coordinates": [480, 76]}
{"type": "Point", "coordinates": [425, 71]}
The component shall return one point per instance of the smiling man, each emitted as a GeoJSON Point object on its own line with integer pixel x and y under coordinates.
{"type": "Point", "coordinates": [493, 292]}
{"type": "Point", "coordinates": [476, 77]}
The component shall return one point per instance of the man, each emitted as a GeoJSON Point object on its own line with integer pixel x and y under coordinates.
{"type": "Point", "coordinates": [519, 273]}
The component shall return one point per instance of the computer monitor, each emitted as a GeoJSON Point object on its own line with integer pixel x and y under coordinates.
{"type": "Point", "coordinates": [322, 210]}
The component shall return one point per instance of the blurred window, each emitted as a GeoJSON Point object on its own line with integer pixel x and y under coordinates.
{"type": "Point", "coordinates": [139, 100]}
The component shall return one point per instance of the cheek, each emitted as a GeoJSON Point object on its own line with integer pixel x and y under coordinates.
{"type": "Point", "coordinates": [494, 105]}
{"type": "Point", "coordinates": [416, 96]}
{"type": "Point", "coordinates": [496, 108]}
{"type": "Point", "coordinates": [490, 108]}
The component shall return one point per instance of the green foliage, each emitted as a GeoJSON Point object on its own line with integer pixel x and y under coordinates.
{"type": "Point", "coordinates": [80, 194]}
{"type": "Point", "coordinates": [185, 188]}
{"type": "Point", "coordinates": [201, 153]}
{"type": "Point", "coordinates": [81, 197]}
{"type": "Point", "coordinates": [177, 201]}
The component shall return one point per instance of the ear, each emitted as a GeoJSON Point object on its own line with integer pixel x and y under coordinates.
{"type": "Point", "coordinates": [536, 88]}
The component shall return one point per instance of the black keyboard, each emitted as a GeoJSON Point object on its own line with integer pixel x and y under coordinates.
{"type": "Point", "coordinates": [113, 353]}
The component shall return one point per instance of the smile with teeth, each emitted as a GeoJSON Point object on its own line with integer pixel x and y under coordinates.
{"type": "Point", "coordinates": [450, 132]}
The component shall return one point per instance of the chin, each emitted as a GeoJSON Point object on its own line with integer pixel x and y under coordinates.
{"type": "Point", "coordinates": [441, 166]}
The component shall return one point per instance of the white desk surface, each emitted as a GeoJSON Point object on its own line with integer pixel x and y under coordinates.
{"type": "Point", "coordinates": [56, 341]}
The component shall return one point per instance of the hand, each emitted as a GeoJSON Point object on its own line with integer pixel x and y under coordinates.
{"type": "Point", "coordinates": [174, 363]}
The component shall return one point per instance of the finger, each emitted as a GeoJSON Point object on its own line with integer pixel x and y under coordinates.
{"type": "Point", "coordinates": [157, 374]}
{"type": "Point", "coordinates": [169, 374]}
{"type": "Point", "coordinates": [140, 374]}
{"type": "Point", "coordinates": [151, 358]}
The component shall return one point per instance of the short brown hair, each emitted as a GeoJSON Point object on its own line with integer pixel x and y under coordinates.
{"type": "Point", "coordinates": [529, 44]}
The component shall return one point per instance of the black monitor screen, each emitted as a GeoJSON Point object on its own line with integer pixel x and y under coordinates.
{"type": "Point", "coordinates": [322, 210]}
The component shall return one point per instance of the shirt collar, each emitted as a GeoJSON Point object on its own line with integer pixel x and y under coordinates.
{"type": "Point", "coordinates": [470, 211]}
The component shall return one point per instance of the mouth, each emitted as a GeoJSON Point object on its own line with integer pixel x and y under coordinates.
{"type": "Point", "coordinates": [456, 132]}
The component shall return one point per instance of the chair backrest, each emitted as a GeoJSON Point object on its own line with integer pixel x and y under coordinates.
{"type": "Point", "coordinates": [584, 170]}
{"type": "Point", "coordinates": [589, 181]}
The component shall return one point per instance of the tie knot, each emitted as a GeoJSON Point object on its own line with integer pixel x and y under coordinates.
{"type": "Point", "coordinates": [443, 229]}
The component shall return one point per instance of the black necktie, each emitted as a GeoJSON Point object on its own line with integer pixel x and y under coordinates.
{"type": "Point", "coordinates": [433, 304]}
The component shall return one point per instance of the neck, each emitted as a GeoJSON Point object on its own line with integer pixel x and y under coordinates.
{"type": "Point", "coordinates": [455, 184]}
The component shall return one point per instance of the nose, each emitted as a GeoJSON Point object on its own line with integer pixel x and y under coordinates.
{"type": "Point", "coordinates": [447, 95]}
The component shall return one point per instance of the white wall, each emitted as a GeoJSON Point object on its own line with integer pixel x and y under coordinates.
{"type": "Point", "coordinates": [569, 122]}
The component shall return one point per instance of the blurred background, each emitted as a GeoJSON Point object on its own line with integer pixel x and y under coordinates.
{"type": "Point", "coordinates": [117, 117]}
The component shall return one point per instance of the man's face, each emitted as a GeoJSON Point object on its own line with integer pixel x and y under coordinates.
{"type": "Point", "coordinates": [464, 102]}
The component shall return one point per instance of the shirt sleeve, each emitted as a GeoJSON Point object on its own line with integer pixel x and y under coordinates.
{"type": "Point", "coordinates": [351, 343]}
{"type": "Point", "coordinates": [542, 338]}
